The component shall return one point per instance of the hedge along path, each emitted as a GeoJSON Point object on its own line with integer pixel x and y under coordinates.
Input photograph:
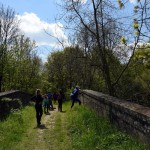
{"type": "Point", "coordinates": [51, 135]}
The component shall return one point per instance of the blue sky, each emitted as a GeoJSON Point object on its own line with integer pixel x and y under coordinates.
{"type": "Point", "coordinates": [44, 9]}
{"type": "Point", "coordinates": [35, 16]}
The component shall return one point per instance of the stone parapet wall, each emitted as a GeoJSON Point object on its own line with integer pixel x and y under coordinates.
{"type": "Point", "coordinates": [7, 105]}
{"type": "Point", "coordinates": [16, 94]}
{"type": "Point", "coordinates": [128, 116]}
{"type": "Point", "coordinates": [13, 99]}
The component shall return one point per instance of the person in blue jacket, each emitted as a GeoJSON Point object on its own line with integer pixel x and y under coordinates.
{"type": "Point", "coordinates": [74, 96]}
{"type": "Point", "coordinates": [50, 96]}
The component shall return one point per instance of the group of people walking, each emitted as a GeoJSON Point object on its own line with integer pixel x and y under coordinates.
{"type": "Point", "coordinates": [46, 101]}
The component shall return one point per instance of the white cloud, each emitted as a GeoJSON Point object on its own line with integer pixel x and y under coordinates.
{"type": "Point", "coordinates": [133, 1]}
{"type": "Point", "coordinates": [83, 1]}
{"type": "Point", "coordinates": [32, 26]}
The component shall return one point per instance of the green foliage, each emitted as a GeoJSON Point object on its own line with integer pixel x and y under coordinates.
{"type": "Point", "coordinates": [142, 56]}
{"type": "Point", "coordinates": [127, 86]}
{"type": "Point", "coordinates": [88, 131]}
{"type": "Point", "coordinates": [141, 63]}
{"type": "Point", "coordinates": [144, 80]}
{"type": "Point", "coordinates": [46, 86]}
{"type": "Point", "coordinates": [135, 80]}
{"type": "Point", "coordinates": [65, 68]}
{"type": "Point", "coordinates": [67, 94]}
{"type": "Point", "coordinates": [23, 66]}
{"type": "Point", "coordinates": [121, 5]}
{"type": "Point", "coordinates": [136, 8]}
{"type": "Point", "coordinates": [137, 33]}
{"type": "Point", "coordinates": [98, 82]}
{"type": "Point", "coordinates": [19, 64]}
{"type": "Point", "coordinates": [123, 40]}
{"type": "Point", "coordinates": [8, 33]}
{"type": "Point", "coordinates": [136, 24]}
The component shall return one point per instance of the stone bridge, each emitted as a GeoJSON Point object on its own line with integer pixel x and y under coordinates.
{"type": "Point", "coordinates": [13, 99]}
{"type": "Point", "coordinates": [128, 116]}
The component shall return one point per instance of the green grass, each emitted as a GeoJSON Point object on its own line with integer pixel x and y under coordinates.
{"type": "Point", "coordinates": [88, 131]}
{"type": "Point", "coordinates": [76, 129]}
{"type": "Point", "coordinates": [56, 136]}
{"type": "Point", "coordinates": [15, 126]}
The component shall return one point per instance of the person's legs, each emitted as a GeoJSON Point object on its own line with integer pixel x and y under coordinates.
{"type": "Point", "coordinates": [47, 107]}
{"type": "Point", "coordinates": [37, 114]}
{"type": "Point", "coordinates": [40, 113]}
{"type": "Point", "coordinates": [60, 106]}
{"type": "Point", "coordinates": [50, 103]}
{"type": "Point", "coordinates": [73, 100]}
{"type": "Point", "coordinates": [79, 102]}
{"type": "Point", "coordinates": [77, 99]}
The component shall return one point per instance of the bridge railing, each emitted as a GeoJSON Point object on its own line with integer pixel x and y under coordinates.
{"type": "Point", "coordinates": [13, 99]}
{"type": "Point", "coordinates": [128, 116]}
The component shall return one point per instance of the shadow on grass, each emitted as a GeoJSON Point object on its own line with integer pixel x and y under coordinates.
{"type": "Point", "coordinates": [64, 111]}
{"type": "Point", "coordinates": [42, 126]}
{"type": "Point", "coordinates": [47, 113]}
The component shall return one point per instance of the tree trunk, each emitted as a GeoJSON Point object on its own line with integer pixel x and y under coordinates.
{"type": "Point", "coordinates": [102, 49]}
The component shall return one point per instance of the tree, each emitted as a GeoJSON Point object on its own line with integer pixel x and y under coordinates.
{"type": "Point", "coordinates": [65, 68]}
{"type": "Point", "coordinates": [141, 64]}
{"type": "Point", "coordinates": [8, 33]}
{"type": "Point", "coordinates": [55, 68]}
{"type": "Point", "coordinates": [23, 66]}
{"type": "Point", "coordinates": [74, 66]}
{"type": "Point", "coordinates": [96, 17]}
{"type": "Point", "coordinates": [141, 18]}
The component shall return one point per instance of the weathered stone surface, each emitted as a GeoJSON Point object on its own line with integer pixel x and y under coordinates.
{"type": "Point", "coordinates": [129, 116]}
{"type": "Point", "coordinates": [13, 99]}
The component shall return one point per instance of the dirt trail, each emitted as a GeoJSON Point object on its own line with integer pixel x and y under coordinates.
{"type": "Point", "coordinates": [35, 138]}
{"type": "Point", "coordinates": [48, 122]}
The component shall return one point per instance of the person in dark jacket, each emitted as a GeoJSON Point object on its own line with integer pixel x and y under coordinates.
{"type": "Point", "coordinates": [60, 99]}
{"type": "Point", "coordinates": [38, 99]}
{"type": "Point", "coordinates": [55, 96]}
{"type": "Point", "coordinates": [74, 96]}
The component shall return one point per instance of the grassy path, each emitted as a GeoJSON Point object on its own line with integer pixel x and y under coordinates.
{"type": "Point", "coordinates": [57, 138]}
{"type": "Point", "coordinates": [51, 135]}
{"type": "Point", "coordinates": [38, 138]}
{"type": "Point", "coordinates": [76, 129]}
